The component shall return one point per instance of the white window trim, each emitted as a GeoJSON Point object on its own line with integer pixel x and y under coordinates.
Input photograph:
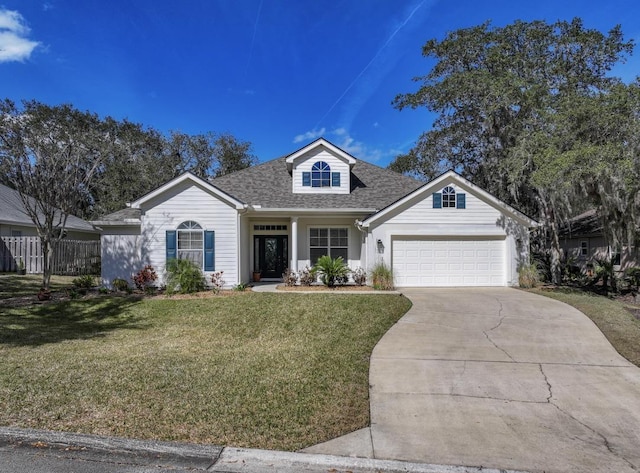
{"type": "Point", "coordinates": [328, 228]}
{"type": "Point", "coordinates": [190, 230]}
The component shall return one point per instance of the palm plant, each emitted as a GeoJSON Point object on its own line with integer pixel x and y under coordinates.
{"type": "Point", "coordinates": [184, 276]}
{"type": "Point", "coordinates": [331, 270]}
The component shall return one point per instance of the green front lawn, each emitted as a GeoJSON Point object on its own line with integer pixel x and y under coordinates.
{"type": "Point", "coordinates": [12, 285]}
{"type": "Point", "coordinates": [620, 327]}
{"type": "Point", "coordinates": [280, 371]}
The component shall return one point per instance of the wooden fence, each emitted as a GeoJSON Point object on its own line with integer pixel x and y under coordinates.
{"type": "Point", "coordinates": [71, 258]}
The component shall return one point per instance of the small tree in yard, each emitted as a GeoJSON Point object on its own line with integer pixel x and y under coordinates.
{"type": "Point", "coordinates": [50, 154]}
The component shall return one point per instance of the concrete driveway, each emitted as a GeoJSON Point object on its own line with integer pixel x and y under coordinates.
{"type": "Point", "coordinates": [499, 378]}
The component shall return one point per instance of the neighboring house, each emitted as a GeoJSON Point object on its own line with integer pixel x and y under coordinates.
{"type": "Point", "coordinates": [583, 242]}
{"type": "Point", "coordinates": [320, 200]}
{"type": "Point", "coordinates": [20, 244]}
{"type": "Point", "coordinates": [14, 220]}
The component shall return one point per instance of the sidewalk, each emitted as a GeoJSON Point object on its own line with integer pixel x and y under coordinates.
{"type": "Point", "coordinates": [38, 451]}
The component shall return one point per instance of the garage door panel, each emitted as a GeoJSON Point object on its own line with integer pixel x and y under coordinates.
{"type": "Point", "coordinates": [439, 262]}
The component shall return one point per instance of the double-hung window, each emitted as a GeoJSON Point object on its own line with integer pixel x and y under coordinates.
{"type": "Point", "coordinates": [191, 242]}
{"type": "Point", "coordinates": [333, 242]}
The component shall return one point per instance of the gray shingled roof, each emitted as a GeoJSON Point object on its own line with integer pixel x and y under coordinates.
{"type": "Point", "coordinates": [119, 216]}
{"type": "Point", "coordinates": [12, 211]}
{"type": "Point", "coordinates": [585, 224]}
{"type": "Point", "coordinates": [269, 185]}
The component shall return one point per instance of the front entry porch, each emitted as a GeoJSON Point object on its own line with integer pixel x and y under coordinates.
{"type": "Point", "coordinates": [270, 255]}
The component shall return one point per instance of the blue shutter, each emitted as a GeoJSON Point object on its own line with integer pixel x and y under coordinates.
{"type": "Point", "coordinates": [209, 251]}
{"type": "Point", "coordinates": [306, 179]}
{"type": "Point", "coordinates": [335, 179]}
{"type": "Point", "coordinates": [171, 245]}
{"type": "Point", "coordinates": [437, 200]}
{"type": "Point", "coordinates": [461, 201]}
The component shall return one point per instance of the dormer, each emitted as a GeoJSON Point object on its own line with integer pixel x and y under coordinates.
{"type": "Point", "coordinates": [320, 168]}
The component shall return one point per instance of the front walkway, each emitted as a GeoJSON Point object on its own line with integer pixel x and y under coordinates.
{"type": "Point", "coordinates": [499, 378]}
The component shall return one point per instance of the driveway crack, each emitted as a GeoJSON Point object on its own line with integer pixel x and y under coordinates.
{"type": "Point", "coordinates": [486, 334]}
{"type": "Point", "coordinates": [546, 380]}
{"type": "Point", "coordinates": [605, 441]}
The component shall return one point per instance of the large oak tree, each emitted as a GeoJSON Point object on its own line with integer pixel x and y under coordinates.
{"type": "Point", "coordinates": [513, 106]}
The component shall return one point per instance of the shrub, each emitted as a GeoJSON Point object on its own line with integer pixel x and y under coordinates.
{"type": "Point", "coordinates": [332, 271]}
{"type": "Point", "coordinates": [144, 277]}
{"type": "Point", "coordinates": [307, 276]}
{"type": "Point", "coordinates": [359, 276]}
{"type": "Point", "coordinates": [382, 277]}
{"type": "Point", "coordinates": [84, 282]}
{"type": "Point", "coordinates": [289, 277]}
{"type": "Point", "coordinates": [529, 276]}
{"type": "Point", "coordinates": [120, 285]}
{"type": "Point", "coordinates": [605, 270]}
{"type": "Point", "coordinates": [217, 283]}
{"type": "Point", "coordinates": [241, 287]}
{"type": "Point", "coordinates": [184, 276]}
{"type": "Point", "coordinates": [632, 277]}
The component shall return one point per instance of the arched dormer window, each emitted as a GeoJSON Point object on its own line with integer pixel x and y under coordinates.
{"type": "Point", "coordinates": [320, 175]}
{"type": "Point", "coordinates": [191, 242]}
{"type": "Point", "coordinates": [448, 197]}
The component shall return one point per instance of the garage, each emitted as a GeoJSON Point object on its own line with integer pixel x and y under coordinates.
{"type": "Point", "coordinates": [450, 261]}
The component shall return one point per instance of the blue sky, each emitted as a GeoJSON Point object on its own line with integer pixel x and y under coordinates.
{"type": "Point", "coordinates": [277, 73]}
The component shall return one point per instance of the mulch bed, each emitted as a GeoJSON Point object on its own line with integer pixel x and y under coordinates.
{"type": "Point", "coordinates": [322, 288]}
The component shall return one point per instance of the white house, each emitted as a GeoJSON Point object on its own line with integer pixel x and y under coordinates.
{"type": "Point", "coordinates": [320, 200]}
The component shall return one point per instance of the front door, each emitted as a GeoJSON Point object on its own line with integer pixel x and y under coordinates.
{"type": "Point", "coordinates": [271, 255]}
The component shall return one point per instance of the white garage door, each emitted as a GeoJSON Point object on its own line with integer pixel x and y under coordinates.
{"type": "Point", "coordinates": [451, 262]}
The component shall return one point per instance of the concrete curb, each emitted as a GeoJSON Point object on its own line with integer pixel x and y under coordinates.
{"type": "Point", "coordinates": [208, 457]}
{"type": "Point", "coordinates": [114, 449]}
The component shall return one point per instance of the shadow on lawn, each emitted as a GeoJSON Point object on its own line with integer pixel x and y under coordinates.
{"type": "Point", "coordinates": [68, 320]}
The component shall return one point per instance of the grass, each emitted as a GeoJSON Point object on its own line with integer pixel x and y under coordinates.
{"type": "Point", "coordinates": [617, 324]}
{"type": "Point", "coordinates": [277, 371]}
{"type": "Point", "coordinates": [12, 285]}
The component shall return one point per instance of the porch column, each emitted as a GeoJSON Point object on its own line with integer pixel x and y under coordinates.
{"type": "Point", "coordinates": [294, 244]}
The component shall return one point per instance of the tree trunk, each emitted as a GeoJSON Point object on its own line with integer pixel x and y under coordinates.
{"type": "Point", "coordinates": [47, 263]}
{"type": "Point", "coordinates": [555, 252]}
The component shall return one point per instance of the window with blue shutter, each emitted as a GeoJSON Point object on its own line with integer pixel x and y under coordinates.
{"type": "Point", "coordinates": [209, 250]}
{"type": "Point", "coordinates": [461, 201]}
{"type": "Point", "coordinates": [171, 245]}
{"type": "Point", "coordinates": [335, 179]}
{"type": "Point", "coordinates": [437, 200]}
{"type": "Point", "coordinates": [306, 179]}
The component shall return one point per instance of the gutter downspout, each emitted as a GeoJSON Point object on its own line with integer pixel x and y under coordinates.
{"type": "Point", "coordinates": [360, 227]}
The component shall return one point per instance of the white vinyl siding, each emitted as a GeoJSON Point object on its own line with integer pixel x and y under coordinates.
{"type": "Point", "coordinates": [190, 202]}
{"type": "Point", "coordinates": [120, 247]}
{"type": "Point", "coordinates": [422, 212]}
{"type": "Point", "coordinates": [306, 162]}
{"type": "Point", "coordinates": [449, 262]}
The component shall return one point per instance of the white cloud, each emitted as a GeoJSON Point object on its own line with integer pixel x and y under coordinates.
{"type": "Point", "coordinates": [14, 45]}
{"type": "Point", "coordinates": [309, 135]}
{"type": "Point", "coordinates": [343, 140]}
{"type": "Point", "coordinates": [358, 149]}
